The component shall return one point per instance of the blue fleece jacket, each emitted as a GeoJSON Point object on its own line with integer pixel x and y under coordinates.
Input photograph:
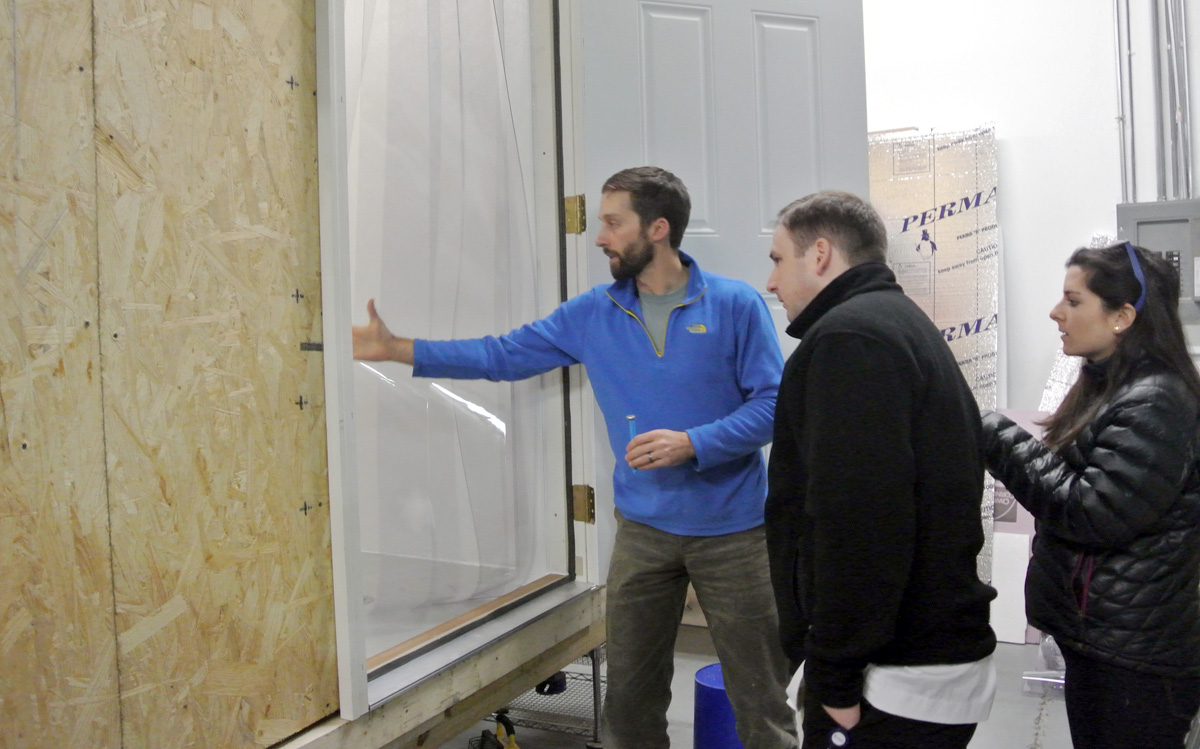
{"type": "Point", "coordinates": [716, 378]}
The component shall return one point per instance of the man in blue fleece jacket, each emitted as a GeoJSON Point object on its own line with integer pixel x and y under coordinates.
{"type": "Point", "coordinates": [695, 358]}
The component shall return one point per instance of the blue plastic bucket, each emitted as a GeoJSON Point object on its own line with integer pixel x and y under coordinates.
{"type": "Point", "coordinates": [714, 726]}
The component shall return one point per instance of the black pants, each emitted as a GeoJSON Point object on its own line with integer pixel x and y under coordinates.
{"type": "Point", "coordinates": [1109, 707]}
{"type": "Point", "coordinates": [880, 730]}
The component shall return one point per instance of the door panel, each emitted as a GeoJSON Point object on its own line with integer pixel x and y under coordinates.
{"type": "Point", "coordinates": [680, 118]}
{"type": "Point", "coordinates": [788, 103]}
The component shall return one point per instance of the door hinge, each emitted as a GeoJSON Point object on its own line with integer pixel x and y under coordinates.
{"type": "Point", "coordinates": [575, 213]}
{"type": "Point", "coordinates": [583, 500]}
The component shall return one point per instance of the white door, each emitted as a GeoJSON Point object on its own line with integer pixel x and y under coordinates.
{"type": "Point", "coordinates": [752, 103]}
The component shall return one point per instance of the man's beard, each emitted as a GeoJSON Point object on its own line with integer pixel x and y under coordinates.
{"type": "Point", "coordinates": [634, 260]}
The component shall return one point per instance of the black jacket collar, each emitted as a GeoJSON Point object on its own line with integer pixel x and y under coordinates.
{"type": "Point", "coordinates": [858, 280]}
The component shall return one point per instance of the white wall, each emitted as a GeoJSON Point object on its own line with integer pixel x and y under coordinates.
{"type": "Point", "coordinates": [1045, 74]}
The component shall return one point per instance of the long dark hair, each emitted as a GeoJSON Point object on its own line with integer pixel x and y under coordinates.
{"type": "Point", "coordinates": [1156, 332]}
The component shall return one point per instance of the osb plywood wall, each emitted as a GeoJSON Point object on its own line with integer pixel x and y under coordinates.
{"type": "Point", "coordinates": [160, 225]}
{"type": "Point", "coordinates": [58, 668]}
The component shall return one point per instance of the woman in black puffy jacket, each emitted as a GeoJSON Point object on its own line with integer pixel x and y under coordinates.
{"type": "Point", "coordinates": [1115, 488]}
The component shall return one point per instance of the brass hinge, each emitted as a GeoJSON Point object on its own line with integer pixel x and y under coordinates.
{"type": "Point", "coordinates": [575, 212]}
{"type": "Point", "coordinates": [583, 500]}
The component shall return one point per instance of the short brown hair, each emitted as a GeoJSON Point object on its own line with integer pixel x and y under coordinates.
{"type": "Point", "coordinates": [654, 193]}
{"type": "Point", "coordinates": [846, 220]}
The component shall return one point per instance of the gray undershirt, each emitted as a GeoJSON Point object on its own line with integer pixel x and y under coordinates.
{"type": "Point", "coordinates": [656, 311]}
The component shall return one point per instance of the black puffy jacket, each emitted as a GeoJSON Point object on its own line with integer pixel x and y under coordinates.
{"type": "Point", "coordinates": [1115, 572]}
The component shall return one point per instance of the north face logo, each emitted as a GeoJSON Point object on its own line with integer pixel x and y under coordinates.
{"type": "Point", "coordinates": [697, 327]}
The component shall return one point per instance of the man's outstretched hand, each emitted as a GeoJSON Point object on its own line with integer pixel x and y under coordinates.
{"type": "Point", "coordinates": [374, 342]}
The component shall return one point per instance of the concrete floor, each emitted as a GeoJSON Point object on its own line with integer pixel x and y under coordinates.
{"type": "Point", "coordinates": [1018, 720]}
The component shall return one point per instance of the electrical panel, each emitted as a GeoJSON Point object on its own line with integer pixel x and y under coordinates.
{"type": "Point", "coordinates": [1172, 229]}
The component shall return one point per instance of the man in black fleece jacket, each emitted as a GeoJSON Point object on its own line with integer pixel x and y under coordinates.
{"type": "Point", "coordinates": [873, 510]}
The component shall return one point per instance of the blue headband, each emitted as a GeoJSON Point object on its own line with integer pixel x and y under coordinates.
{"type": "Point", "coordinates": [1137, 271]}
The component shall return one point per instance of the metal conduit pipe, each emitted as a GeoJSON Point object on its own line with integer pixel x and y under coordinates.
{"type": "Point", "coordinates": [1171, 100]}
{"type": "Point", "coordinates": [1160, 155]}
{"type": "Point", "coordinates": [1129, 83]}
{"type": "Point", "coordinates": [1171, 95]}
{"type": "Point", "coordinates": [1173, 104]}
{"type": "Point", "coordinates": [1125, 101]}
{"type": "Point", "coordinates": [1133, 133]}
{"type": "Point", "coordinates": [1185, 99]}
{"type": "Point", "coordinates": [1121, 102]}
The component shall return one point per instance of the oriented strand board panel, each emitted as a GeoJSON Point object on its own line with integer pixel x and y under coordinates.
{"type": "Point", "coordinates": [58, 675]}
{"type": "Point", "coordinates": [209, 289]}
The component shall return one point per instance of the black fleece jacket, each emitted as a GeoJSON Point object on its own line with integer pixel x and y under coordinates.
{"type": "Point", "coordinates": [875, 481]}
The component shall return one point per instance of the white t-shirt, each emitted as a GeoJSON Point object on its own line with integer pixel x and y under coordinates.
{"type": "Point", "coordinates": [950, 694]}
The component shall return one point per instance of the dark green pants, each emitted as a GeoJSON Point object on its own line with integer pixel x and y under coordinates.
{"type": "Point", "coordinates": [647, 588]}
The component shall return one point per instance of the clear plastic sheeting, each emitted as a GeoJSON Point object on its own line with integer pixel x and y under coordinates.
{"type": "Point", "coordinates": [441, 238]}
